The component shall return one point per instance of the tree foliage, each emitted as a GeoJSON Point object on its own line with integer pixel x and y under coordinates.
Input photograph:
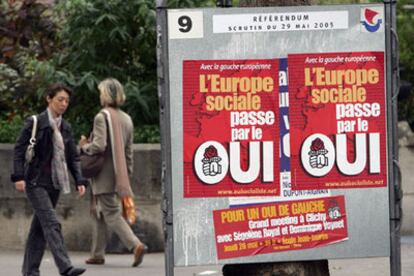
{"type": "Point", "coordinates": [103, 39]}
{"type": "Point", "coordinates": [27, 37]}
{"type": "Point", "coordinates": [81, 42]}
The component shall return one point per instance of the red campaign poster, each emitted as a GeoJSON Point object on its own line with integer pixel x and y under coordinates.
{"type": "Point", "coordinates": [338, 121]}
{"type": "Point", "coordinates": [281, 226]}
{"type": "Point", "coordinates": [231, 128]}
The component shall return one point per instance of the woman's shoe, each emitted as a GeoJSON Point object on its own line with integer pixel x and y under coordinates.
{"type": "Point", "coordinates": [95, 261]}
{"type": "Point", "coordinates": [74, 271]}
{"type": "Point", "coordinates": [139, 252]}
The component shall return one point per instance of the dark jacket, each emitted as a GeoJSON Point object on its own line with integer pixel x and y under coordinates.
{"type": "Point", "coordinates": [44, 151]}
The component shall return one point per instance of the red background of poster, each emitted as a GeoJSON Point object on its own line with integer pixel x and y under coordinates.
{"type": "Point", "coordinates": [201, 125]}
{"type": "Point", "coordinates": [229, 221]}
{"type": "Point", "coordinates": [307, 118]}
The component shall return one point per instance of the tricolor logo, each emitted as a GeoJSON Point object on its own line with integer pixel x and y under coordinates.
{"type": "Point", "coordinates": [372, 19]}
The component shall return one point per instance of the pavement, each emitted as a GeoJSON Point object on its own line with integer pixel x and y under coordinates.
{"type": "Point", "coordinates": [153, 264]}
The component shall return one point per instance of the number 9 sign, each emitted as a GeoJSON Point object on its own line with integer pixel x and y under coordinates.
{"type": "Point", "coordinates": [185, 24]}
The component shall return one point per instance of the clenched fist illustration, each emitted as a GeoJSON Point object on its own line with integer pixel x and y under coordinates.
{"type": "Point", "coordinates": [211, 162]}
{"type": "Point", "coordinates": [317, 154]}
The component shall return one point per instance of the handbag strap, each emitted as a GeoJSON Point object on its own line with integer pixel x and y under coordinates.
{"type": "Point", "coordinates": [32, 140]}
{"type": "Point", "coordinates": [108, 122]}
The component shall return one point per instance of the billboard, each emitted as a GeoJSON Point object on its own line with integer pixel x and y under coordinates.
{"type": "Point", "coordinates": [278, 134]}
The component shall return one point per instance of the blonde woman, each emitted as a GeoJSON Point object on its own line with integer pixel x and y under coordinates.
{"type": "Point", "coordinates": [113, 134]}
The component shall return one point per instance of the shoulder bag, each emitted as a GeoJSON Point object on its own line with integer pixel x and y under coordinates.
{"type": "Point", "coordinates": [30, 153]}
{"type": "Point", "coordinates": [91, 165]}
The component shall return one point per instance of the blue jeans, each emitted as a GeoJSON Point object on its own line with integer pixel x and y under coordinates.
{"type": "Point", "coordinates": [45, 228]}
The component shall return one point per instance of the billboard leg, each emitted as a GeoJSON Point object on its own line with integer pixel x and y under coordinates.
{"type": "Point", "coordinates": [314, 268]}
{"type": "Point", "coordinates": [395, 193]}
{"type": "Point", "coordinates": [163, 94]}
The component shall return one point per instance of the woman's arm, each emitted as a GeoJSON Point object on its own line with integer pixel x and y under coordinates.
{"type": "Point", "coordinates": [99, 136]}
{"type": "Point", "coordinates": [20, 150]}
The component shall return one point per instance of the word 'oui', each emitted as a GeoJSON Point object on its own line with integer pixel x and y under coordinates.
{"type": "Point", "coordinates": [319, 154]}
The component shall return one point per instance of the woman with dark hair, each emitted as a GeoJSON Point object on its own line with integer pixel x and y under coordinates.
{"type": "Point", "coordinates": [112, 129]}
{"type": "Point", "coordinates": [45, 177]}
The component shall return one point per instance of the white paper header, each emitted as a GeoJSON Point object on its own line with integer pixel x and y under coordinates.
{"type": "Point", "coordinates": [280, 22]}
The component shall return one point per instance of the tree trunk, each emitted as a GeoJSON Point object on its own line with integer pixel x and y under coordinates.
{"type": "Point", "coordinates": [273, 3]}
{"type": "Point", "coordinates": [308, 268]}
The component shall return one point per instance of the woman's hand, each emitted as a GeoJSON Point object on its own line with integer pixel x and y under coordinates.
{"type": "Point", "coordinates": [81, 190]}
{"type": "Point", "coordinates": [83, 140]}
{"type": "Point", "coordinates": [20, 185]}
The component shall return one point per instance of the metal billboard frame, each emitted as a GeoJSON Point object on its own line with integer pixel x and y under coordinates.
{"type": "Point", "coordinates": [395, 192]}
{"type": "Point", "coordinates": [392, 88]}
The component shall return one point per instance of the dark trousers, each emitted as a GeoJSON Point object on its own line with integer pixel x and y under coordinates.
{"type": "Point", "coordinates": [45, 228]}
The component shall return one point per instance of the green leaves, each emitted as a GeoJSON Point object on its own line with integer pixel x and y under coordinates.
{"type": "Point", "coordinates": [80, 42]}
{"type": "Point", "coordinates": [147, 134]}
{"type": "Point", "coordinates": [110, 39]}
{"type": "Point", "coordinates": [9, 129]}
{"type": "Point", "coordinates": [112, 18]}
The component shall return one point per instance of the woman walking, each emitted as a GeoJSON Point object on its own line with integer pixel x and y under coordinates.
{"type": "Point", "coordinates": [45, 177]}
{"type": "Point", "coordinates": [112, 134]}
